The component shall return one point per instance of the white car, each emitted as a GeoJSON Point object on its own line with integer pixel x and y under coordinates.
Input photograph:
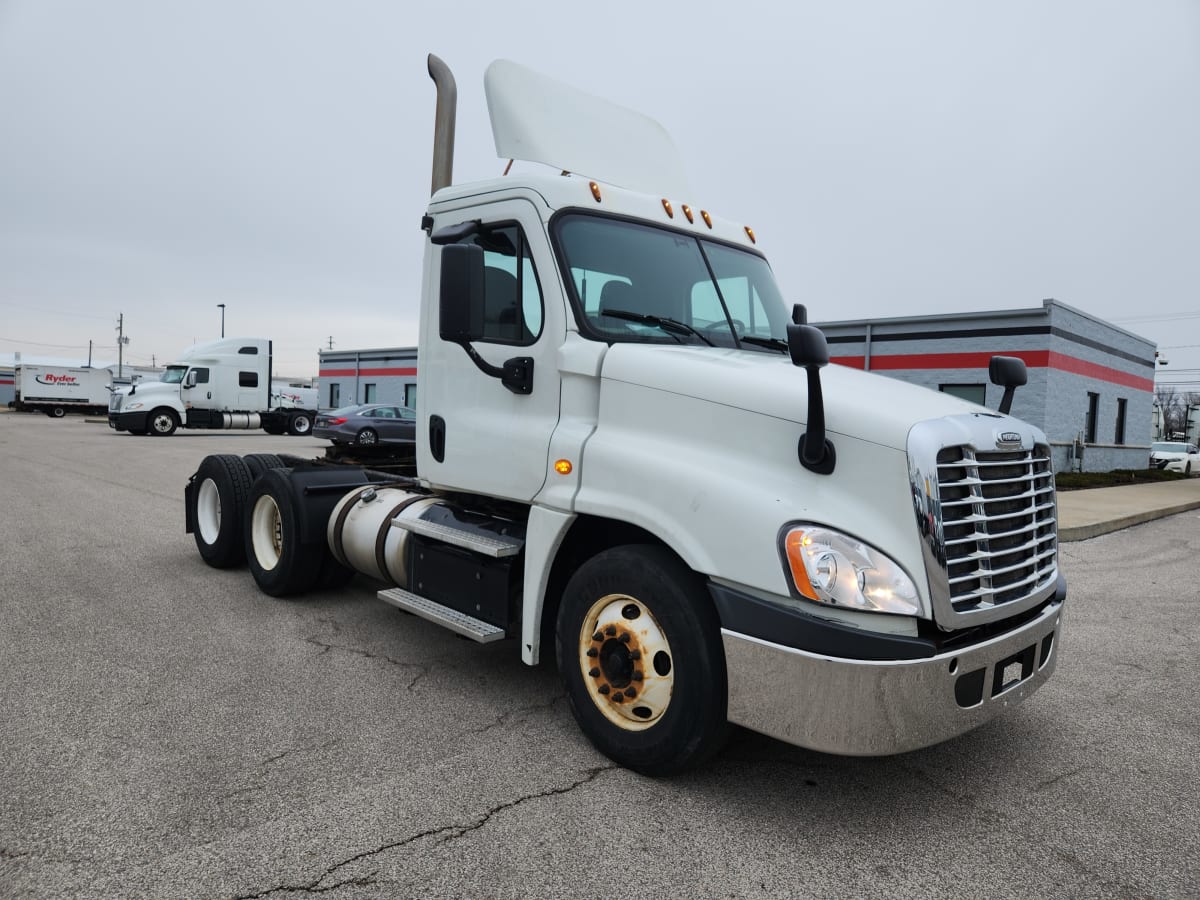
{"type": "Point", "coordinates": [1175, 456]}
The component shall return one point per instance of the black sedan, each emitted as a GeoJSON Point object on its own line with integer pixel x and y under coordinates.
{"type": "Point", "coordinates": [367, 424]}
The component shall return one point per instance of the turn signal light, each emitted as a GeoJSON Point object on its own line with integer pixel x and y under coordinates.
{"type": "Point", "coordinates": [563, 466]}
{"type": "Point", "coordinates": [794, 548]}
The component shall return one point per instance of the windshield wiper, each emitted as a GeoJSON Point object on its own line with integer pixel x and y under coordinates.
{"type": "Point", "coordinates": [670, 326]}
{"type": "Point", "coordinates": [773, 343]}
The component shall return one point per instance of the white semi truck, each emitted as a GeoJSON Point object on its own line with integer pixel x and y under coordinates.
{"type": "Point", "coordinates": [633, 458]}
{"type": "Point", "coordinates": [220, 384]}
{"type": "Point", "coordinates": [58, 390]}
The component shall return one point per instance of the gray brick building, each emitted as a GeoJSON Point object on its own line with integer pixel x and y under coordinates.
{"type": "Point", "coordinates": [1091, 384]}
{"type": "Point", "coordinates": [387, 375]}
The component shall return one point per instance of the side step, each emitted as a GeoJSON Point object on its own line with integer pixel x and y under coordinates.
{"type": "Point", "coordinates": [495, 546]}
{"type": "Point", "coordinates": [459, 623]}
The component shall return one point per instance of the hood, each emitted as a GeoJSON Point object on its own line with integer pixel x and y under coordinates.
{"type": "Point", "coordinates": [857, 404]}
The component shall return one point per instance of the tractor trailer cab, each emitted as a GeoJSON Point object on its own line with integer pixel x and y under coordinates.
{"type": "Point", "coordinates": [221, 384]}
{"type": "Point", "coordinates": [633, 458]}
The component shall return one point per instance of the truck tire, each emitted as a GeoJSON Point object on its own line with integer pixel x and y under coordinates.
{"type": "Point", "coordinates": [368, 437]}
{"type": "Point", "coordinates": [56, 412]}
{"type": "Point", "coordinates": [280, 564]}
{"type": "Point", "coordinates": [223, 482]}
{"type": "Point", "coordinates": [258, 463]}
{"type": "Point", "coordinates": [162, 422]}
{"type": "Point", "coordinates": [639, 650]}
{"type": "Point", "coordinates": [300, 424]}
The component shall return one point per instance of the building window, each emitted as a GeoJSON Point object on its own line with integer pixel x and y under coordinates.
{"type": "Point", "coordinates": [368, 393]}
{"type": "Point", "coordinates": [335, 395]}
{"type": "Point", "coordinates": [972, 393]}
{"type": "Point", "coordinates": [1119, 434]}
{"type": "Point", "coordinates": [247, 379]}
{"type": "Point", "coordinates": [1089, 428]}
{"type": "Point", "coordinates": [410, 396]}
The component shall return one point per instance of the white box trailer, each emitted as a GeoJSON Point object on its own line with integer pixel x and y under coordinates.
{"type": "Point", "coordinates": [58, 390]}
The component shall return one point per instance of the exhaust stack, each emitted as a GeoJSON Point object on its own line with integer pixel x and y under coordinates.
{"type": "Point", "coordinates": [443, 123]}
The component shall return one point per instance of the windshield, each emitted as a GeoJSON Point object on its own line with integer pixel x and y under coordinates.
{"type": "Point", "coordinates": [173, 374]}
{"type": "Point", "coordinates": [1162, 447]}
{"type": "Point", "coordinates": [635, 282]}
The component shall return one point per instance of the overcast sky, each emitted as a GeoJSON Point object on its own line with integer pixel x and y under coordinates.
{"type": "Point", "coordinates": [158, 158]}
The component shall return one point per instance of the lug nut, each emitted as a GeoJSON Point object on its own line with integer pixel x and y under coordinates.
{"type": "Point", "coordinates": [624, 638]}
{"type": "Point", "coordinates": [610, 630]}
{"type": "Point", "coordinates": [592, 651]}
{"type": "Point", "coordinates": [635, 654]}
{"type": "Point", "coordinates": [603, 689]}
{"type": "Point", "coordinates": [618, 697]}
{"type": "Point", "coordinates": [637, 675]}
{"type": "Point", "coordinates": [631, 692]}
{"type": "Point", "coordinates": [594, 672]}
{"type": "Point", "coordinates": [597, 636]}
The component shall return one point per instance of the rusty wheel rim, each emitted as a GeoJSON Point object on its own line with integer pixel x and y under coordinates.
{"type": "Point", "coordinates": [626, 661]}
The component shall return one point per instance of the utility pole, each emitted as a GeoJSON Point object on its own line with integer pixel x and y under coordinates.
{"type": "Point", "coordinates": [121, 342]}
{"type": "Point", "coordinates": [89, 365]}
{"type": "Point", "coordinates": [222, 306]}
{"type": "Point", "coordinates": [331, 342]}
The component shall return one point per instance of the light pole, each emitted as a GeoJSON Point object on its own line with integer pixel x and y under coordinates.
{"type": "Point", "coordinates": [222, 306]}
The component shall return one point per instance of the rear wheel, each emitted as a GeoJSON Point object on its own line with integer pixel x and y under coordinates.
{"type": "Point", "coordinates": [300, 424]}
{"type": "Point", "coordinates": [367, 437]}
{"type": "Point", "coordinates": [640, 654]}
{"type": "Point", "coordinates": [280, 564]}
{"type": "Point", "coordinates": [56, 412]}
{"type": "Point", "coordinates": [258, 463]}
{"type": "Point", "coordinates": [162, 422]}
{"type": "Point", "coordinates": [221, 485]}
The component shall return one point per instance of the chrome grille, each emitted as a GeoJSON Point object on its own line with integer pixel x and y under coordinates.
{"type": "Point", "coordinates": [114, 401]}
{"type": "Point", "coordinates": [986, 512]}
{"type": "Point", "coordinates": [998, 524]}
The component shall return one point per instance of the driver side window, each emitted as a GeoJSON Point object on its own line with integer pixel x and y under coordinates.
{"type": "Point", "coordinates": [512, 297]}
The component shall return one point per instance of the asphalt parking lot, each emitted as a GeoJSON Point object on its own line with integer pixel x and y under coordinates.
{"type": "Point", "coordinates": [168, 731]}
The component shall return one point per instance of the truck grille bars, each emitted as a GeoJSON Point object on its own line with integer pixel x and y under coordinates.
{"type": "Point", "coordinates": [986, 510]}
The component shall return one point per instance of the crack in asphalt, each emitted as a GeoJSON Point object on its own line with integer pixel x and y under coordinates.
{"type": "Point", "coordinates": [422, 669]}
{"type": "Point", "coordinates": [511, 716]}
{"type": "Point", "coordinates": [446, 832]}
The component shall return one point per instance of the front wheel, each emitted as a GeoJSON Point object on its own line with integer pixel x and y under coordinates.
{"type": "Point", "coordinates": [639, 650]}
{"type": "Point", "coordinates": [56, 412]}
{"type": "Point", "coordinates": [162, 422]}
{"type": "Point", "coordinates": [1187, 469]}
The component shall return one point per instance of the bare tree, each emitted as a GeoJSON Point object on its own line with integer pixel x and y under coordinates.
{"type": "Point", "coordinates": [1170, 408]}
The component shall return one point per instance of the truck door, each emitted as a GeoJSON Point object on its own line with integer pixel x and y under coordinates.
{"type": "Point", "coordinates": [474, 433]}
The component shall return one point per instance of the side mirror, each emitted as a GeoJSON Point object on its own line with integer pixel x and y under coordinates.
{"type": "Point", "coordinates": [1009, 373]}
{"type": "Point", "coordinates": [460, 303]}
{"type": "Point", "coordinates": [189, 380]}
{"type": "Point", "coordinates": [810, 351]}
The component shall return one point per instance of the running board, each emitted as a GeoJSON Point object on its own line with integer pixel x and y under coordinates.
{"type": "Point", "coordinates": [459, 623]}
{"type": "Point", "coordinates": [495, 546]}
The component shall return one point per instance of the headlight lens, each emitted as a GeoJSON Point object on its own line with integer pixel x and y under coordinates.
{"type": "Point", "coordinates": [131, 407]}
{"type": "Point", "coordinates": [833, 568]}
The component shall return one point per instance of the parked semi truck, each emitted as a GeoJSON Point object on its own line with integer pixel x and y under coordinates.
{"type": "Point", "coordinates": [58, 390]}
{"type": "Point", "coordinates": [633, 458]}
{"type": "Point", "coordinates": [221, 384]}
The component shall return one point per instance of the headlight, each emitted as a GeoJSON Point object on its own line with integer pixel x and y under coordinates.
{"type": "Point", "coordinates": [833, 568]}
{"type": "Point", "coordinates": [131, 407]}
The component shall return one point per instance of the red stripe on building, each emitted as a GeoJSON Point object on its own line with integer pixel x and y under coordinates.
{"type": "Point", "coordinates": [7, 381]}
{"type": "Point", "coordinates": [1035, 359]}
{"type": "Point", "coordinates": [337, 373]}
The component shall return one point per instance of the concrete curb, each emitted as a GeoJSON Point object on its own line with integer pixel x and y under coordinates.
{"type": "Point", "coordinates": [1095, 529]}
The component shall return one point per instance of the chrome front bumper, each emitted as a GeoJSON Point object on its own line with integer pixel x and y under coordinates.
{"type": "Point", "coordinates": [875, 708]}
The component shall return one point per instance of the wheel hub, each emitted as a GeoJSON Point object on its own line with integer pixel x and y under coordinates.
{"type": "Point", "coordinates": [626, 662]}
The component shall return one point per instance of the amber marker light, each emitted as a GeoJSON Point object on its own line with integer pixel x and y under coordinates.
{"type": "Point", "coordinates": [687, 211]}
{"type": "Point", "coordinates": [563, 466]}
{"type": "Point", "coordinates": [595, 190]}
{"type": "Point", "coordinates": [667, 207]}
{"type": "Point", "coordinates": [750, 234]}
{"type": "Point", "coordinates": [707, 218]}
{"type": "Point", "coordinates": [794, 546]}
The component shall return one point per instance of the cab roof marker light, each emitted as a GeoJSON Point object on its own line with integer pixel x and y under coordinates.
{"type": "Point", "coordinates": [707, 218]}
{"type": "Point", "coordinates": [595, 190]}
{"type": "Point", "coordinates": [750, 234]}
{"type": "Point", "coordinates": [563, 466]}
{"type": "Point", "coordinates": [667, 207]}
{"type": "Point", "coordinates": [687, 211]}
